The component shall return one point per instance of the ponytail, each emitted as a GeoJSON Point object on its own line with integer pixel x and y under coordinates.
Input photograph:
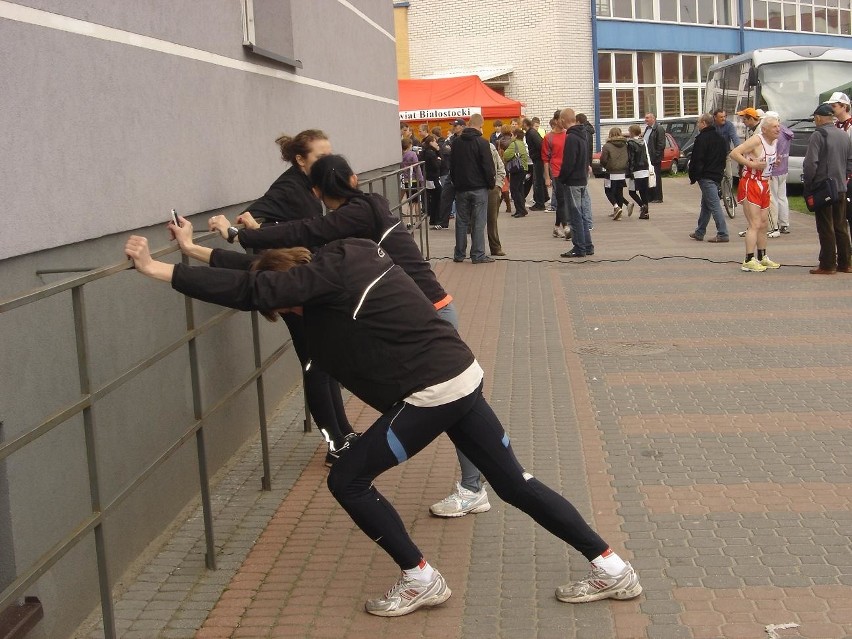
{"type": "Point", "coordinates": [331, 174]}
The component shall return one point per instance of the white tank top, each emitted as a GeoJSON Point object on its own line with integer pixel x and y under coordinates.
{"type": "Point", "coordinates": [766, 152]}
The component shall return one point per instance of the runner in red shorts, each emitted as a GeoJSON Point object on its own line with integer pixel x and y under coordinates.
{"type": "Point", "coordinates": [757, 155]}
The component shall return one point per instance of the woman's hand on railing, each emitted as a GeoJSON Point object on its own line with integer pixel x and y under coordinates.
{"type": "Point", "coordinates": [182, 233]}
{"type": "Point", "coordinates": [137, 250]}
{"type": "Point", "coordinates": [247, 220]}
{"type": "Point", "coordinates": [220, 224]}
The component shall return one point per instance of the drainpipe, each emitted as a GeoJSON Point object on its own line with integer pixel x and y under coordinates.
{"type": "Point", "coordinates": [595, 76]}
{"type": "Point", "coordinates": [741, 16]}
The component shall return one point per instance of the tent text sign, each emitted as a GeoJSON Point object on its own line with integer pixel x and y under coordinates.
{"type": "Point", "coordinates": [438, 114]}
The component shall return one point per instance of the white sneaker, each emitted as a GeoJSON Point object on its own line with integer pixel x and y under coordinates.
{"type": "Point", "coordinates": [774, 233]}
{"type": "Point", "coordinates": [742, 233]}
{"type": "Point", "coordinates": [599, 584]}
{"type": "Point", "coordinates": [461, 502]}
{"type": "Point", "coordinates": [408, 594]}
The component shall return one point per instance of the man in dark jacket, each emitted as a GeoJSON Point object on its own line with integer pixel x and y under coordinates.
{"type": "Point", "coordinates": [707, 166]}
{"type": "Point", "coordinates": [829, 155]}
{"type": "Point", "coordinates": [534, 141]}
{"type": "Point", "coordinates": [655, 140]}
{"type": "Point", "coordinates": [472, 173]}
{"type": "Point", "coordinates": [573, 178]}
{"type": "Point", "coordinates": [448, 192]}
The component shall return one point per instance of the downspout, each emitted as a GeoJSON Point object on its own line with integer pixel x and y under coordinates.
{"type": "Point", "coordinates": [595, 76]}
{"type": "Point", "coordinates": [741, 15]}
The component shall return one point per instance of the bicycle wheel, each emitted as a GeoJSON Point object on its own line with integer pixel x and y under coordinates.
{"type": "Point", "coordinates": [728, 199]}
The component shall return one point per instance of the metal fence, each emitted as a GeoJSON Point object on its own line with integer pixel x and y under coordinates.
{"type": "Point", "coordinates": [411, 209]}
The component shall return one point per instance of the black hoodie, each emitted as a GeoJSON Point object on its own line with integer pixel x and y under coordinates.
{"type": "Point", "coordinates": [575, 160]}
{"type": "Point", "coordinates": [472, 167]}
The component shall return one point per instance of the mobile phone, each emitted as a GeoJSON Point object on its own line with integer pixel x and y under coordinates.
{"type": "Point", "coordinates": [175, 218]}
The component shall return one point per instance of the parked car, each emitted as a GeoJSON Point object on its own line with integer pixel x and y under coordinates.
{"type": "Point", "coordinates": [671, 154]}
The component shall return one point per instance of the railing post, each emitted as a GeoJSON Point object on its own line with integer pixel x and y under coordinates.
{"type": "Point", "coordinates": [79, 306]}
{"type": "Point", "coordinates": [200, 448]}
{"type": "Point", "coordinates": [266, 480]}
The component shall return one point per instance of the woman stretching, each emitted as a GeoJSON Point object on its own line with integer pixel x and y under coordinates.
{"type": "Point", "coordinates": [373, 329]}
{"type": "Point", "coordinates": [354, 214]}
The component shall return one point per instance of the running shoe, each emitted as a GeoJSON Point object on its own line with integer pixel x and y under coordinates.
{"type": "Point", "coordinates": [599, 584]}
{"type": "Point", "coordinates": [774, 233]}
{"type": "Point", "coordinates": [462, 502]}
{"type": "Point", "coordinates": [752, 265]}
{"type": "Point", "coordinates": [769, 263]}
{"type": "Point", "coordinates": [409, 594]}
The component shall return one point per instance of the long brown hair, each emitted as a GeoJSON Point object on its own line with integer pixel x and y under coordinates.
{"type": "Point", "coordinates": [281, 260]}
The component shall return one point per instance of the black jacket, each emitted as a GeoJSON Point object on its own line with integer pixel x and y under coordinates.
{"type": "Point", "coordinates": [432, 164]}
{"type": "Point", "coordinates": [656, 143]}
{"type": "Point", "coordinates": [289, 198]}
{"type": "Point", "coordinates": [472, 166]}
{"type": "Point", "coordinates": [575, 158]}
{"type": "Point", "coordinates": [637, 158]}
{"type": "Point", "coordinates": [534, 142]}
{"type": "Point", "coordinates": [709, 154]}
{"type": "Point", "coordinates": [590, 138]}
{"type": "Point", "coordinates": [367, 324]}
{"type": "Point", "coordinates": [367, 217]}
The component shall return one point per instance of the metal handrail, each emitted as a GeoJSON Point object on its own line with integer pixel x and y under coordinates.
{"type": "Point", "coordinates": [416, 221]}
{"type": "Point", "coordinates": [90, 396]}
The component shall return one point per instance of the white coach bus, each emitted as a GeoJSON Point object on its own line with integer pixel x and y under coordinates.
{"type": "Point", "coordinates": [788, 80]}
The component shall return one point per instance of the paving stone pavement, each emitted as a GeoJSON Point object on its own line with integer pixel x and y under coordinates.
{"type": "Point", "coordinates": [698, 416]}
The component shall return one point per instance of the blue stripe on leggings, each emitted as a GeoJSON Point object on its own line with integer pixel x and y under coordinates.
{"type": "Point", "coordinates": [396, 447]}
{"type": "Point", "coordinates": [505, 440]}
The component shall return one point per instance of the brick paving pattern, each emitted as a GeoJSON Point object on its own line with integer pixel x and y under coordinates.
{"type": "Point", "coordinates": [698, 416]}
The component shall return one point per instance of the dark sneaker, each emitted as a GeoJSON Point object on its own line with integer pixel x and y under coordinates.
{"type": "Point", "coordinates": [695, 236]}
{"type": "Point", "coordinates": [572, 253]}
{"type": "Point", "coordinates": [334, 452]}
{"type": "Point", "coordinates": [484, 260]}
{"type": "Point", "coordinates": [407, 595]}
{"type": "Point", "coordinates": [601, 585]}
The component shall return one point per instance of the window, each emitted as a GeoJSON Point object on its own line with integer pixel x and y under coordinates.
{"type": "Point", "coordinates": [667, 84]}
{"type": "Point", "coordinates": [833, 17]}
{"type": "Point", "coordinates": [268, 30]}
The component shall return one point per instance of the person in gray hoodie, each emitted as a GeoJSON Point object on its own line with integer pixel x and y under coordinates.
{"type": "Point", "coordinates": [614, 160]}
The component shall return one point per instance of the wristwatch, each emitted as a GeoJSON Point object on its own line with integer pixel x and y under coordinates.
{"type": "Point", "coordinates": [233, 232]}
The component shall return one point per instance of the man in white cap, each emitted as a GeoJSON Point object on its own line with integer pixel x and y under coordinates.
{"type": "Point", "coordinates": [839, 103]}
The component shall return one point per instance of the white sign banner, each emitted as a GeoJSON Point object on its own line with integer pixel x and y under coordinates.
{"type": "Point", "coordinates": [439, 114]}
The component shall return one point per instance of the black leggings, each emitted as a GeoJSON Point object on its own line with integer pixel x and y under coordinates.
{"type": "Point", "coordinates": [641, 185]}
{"type": "Point", "coordinates": [405, 430]}
{"type": "Point", "coordinates": [322, 392]}
{"type": "Point", "coordinates": [615, 193]}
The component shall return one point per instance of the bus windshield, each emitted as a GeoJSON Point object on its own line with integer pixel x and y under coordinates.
{"type": "Point", "coordinates": [792, 89]}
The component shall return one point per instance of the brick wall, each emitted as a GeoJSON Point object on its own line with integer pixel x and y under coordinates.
{"type": "Point", "coordinates": [551, 59]}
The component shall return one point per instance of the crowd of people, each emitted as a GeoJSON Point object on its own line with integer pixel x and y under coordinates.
{"type": "Point", "coordinates": [556, 166]}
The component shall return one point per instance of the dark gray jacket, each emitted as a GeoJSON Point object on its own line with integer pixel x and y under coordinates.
{"type": "Point", "coordinates": [827, 156]}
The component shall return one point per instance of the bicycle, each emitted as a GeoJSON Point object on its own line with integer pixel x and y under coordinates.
{"type": "Point", "coordinates": [726, 194]}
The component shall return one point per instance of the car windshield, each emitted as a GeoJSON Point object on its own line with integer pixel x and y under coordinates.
{"type": "Point", "coordinates": [792, 89]}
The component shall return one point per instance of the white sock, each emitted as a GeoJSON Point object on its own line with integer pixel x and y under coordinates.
{"type": "Point", "coordinates": [422, 572]}
{"type": "Point", "coordinates": [610, 563]}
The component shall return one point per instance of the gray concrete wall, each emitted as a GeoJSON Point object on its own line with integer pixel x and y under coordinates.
{"type": "Point", "coordinates": [112, 114]}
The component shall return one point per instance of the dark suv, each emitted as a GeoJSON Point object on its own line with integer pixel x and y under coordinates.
{"type": "Point", "coordinates": [683, 130]}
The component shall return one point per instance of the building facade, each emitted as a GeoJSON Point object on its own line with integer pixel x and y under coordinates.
{"type": "Point", "coordinates": [112, 114]}
{"type": "Point", "coordinates": [616, 59]}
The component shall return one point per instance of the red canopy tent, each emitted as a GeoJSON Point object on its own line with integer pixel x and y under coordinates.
{"type": "Point", "coordinates": [446, 98]}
